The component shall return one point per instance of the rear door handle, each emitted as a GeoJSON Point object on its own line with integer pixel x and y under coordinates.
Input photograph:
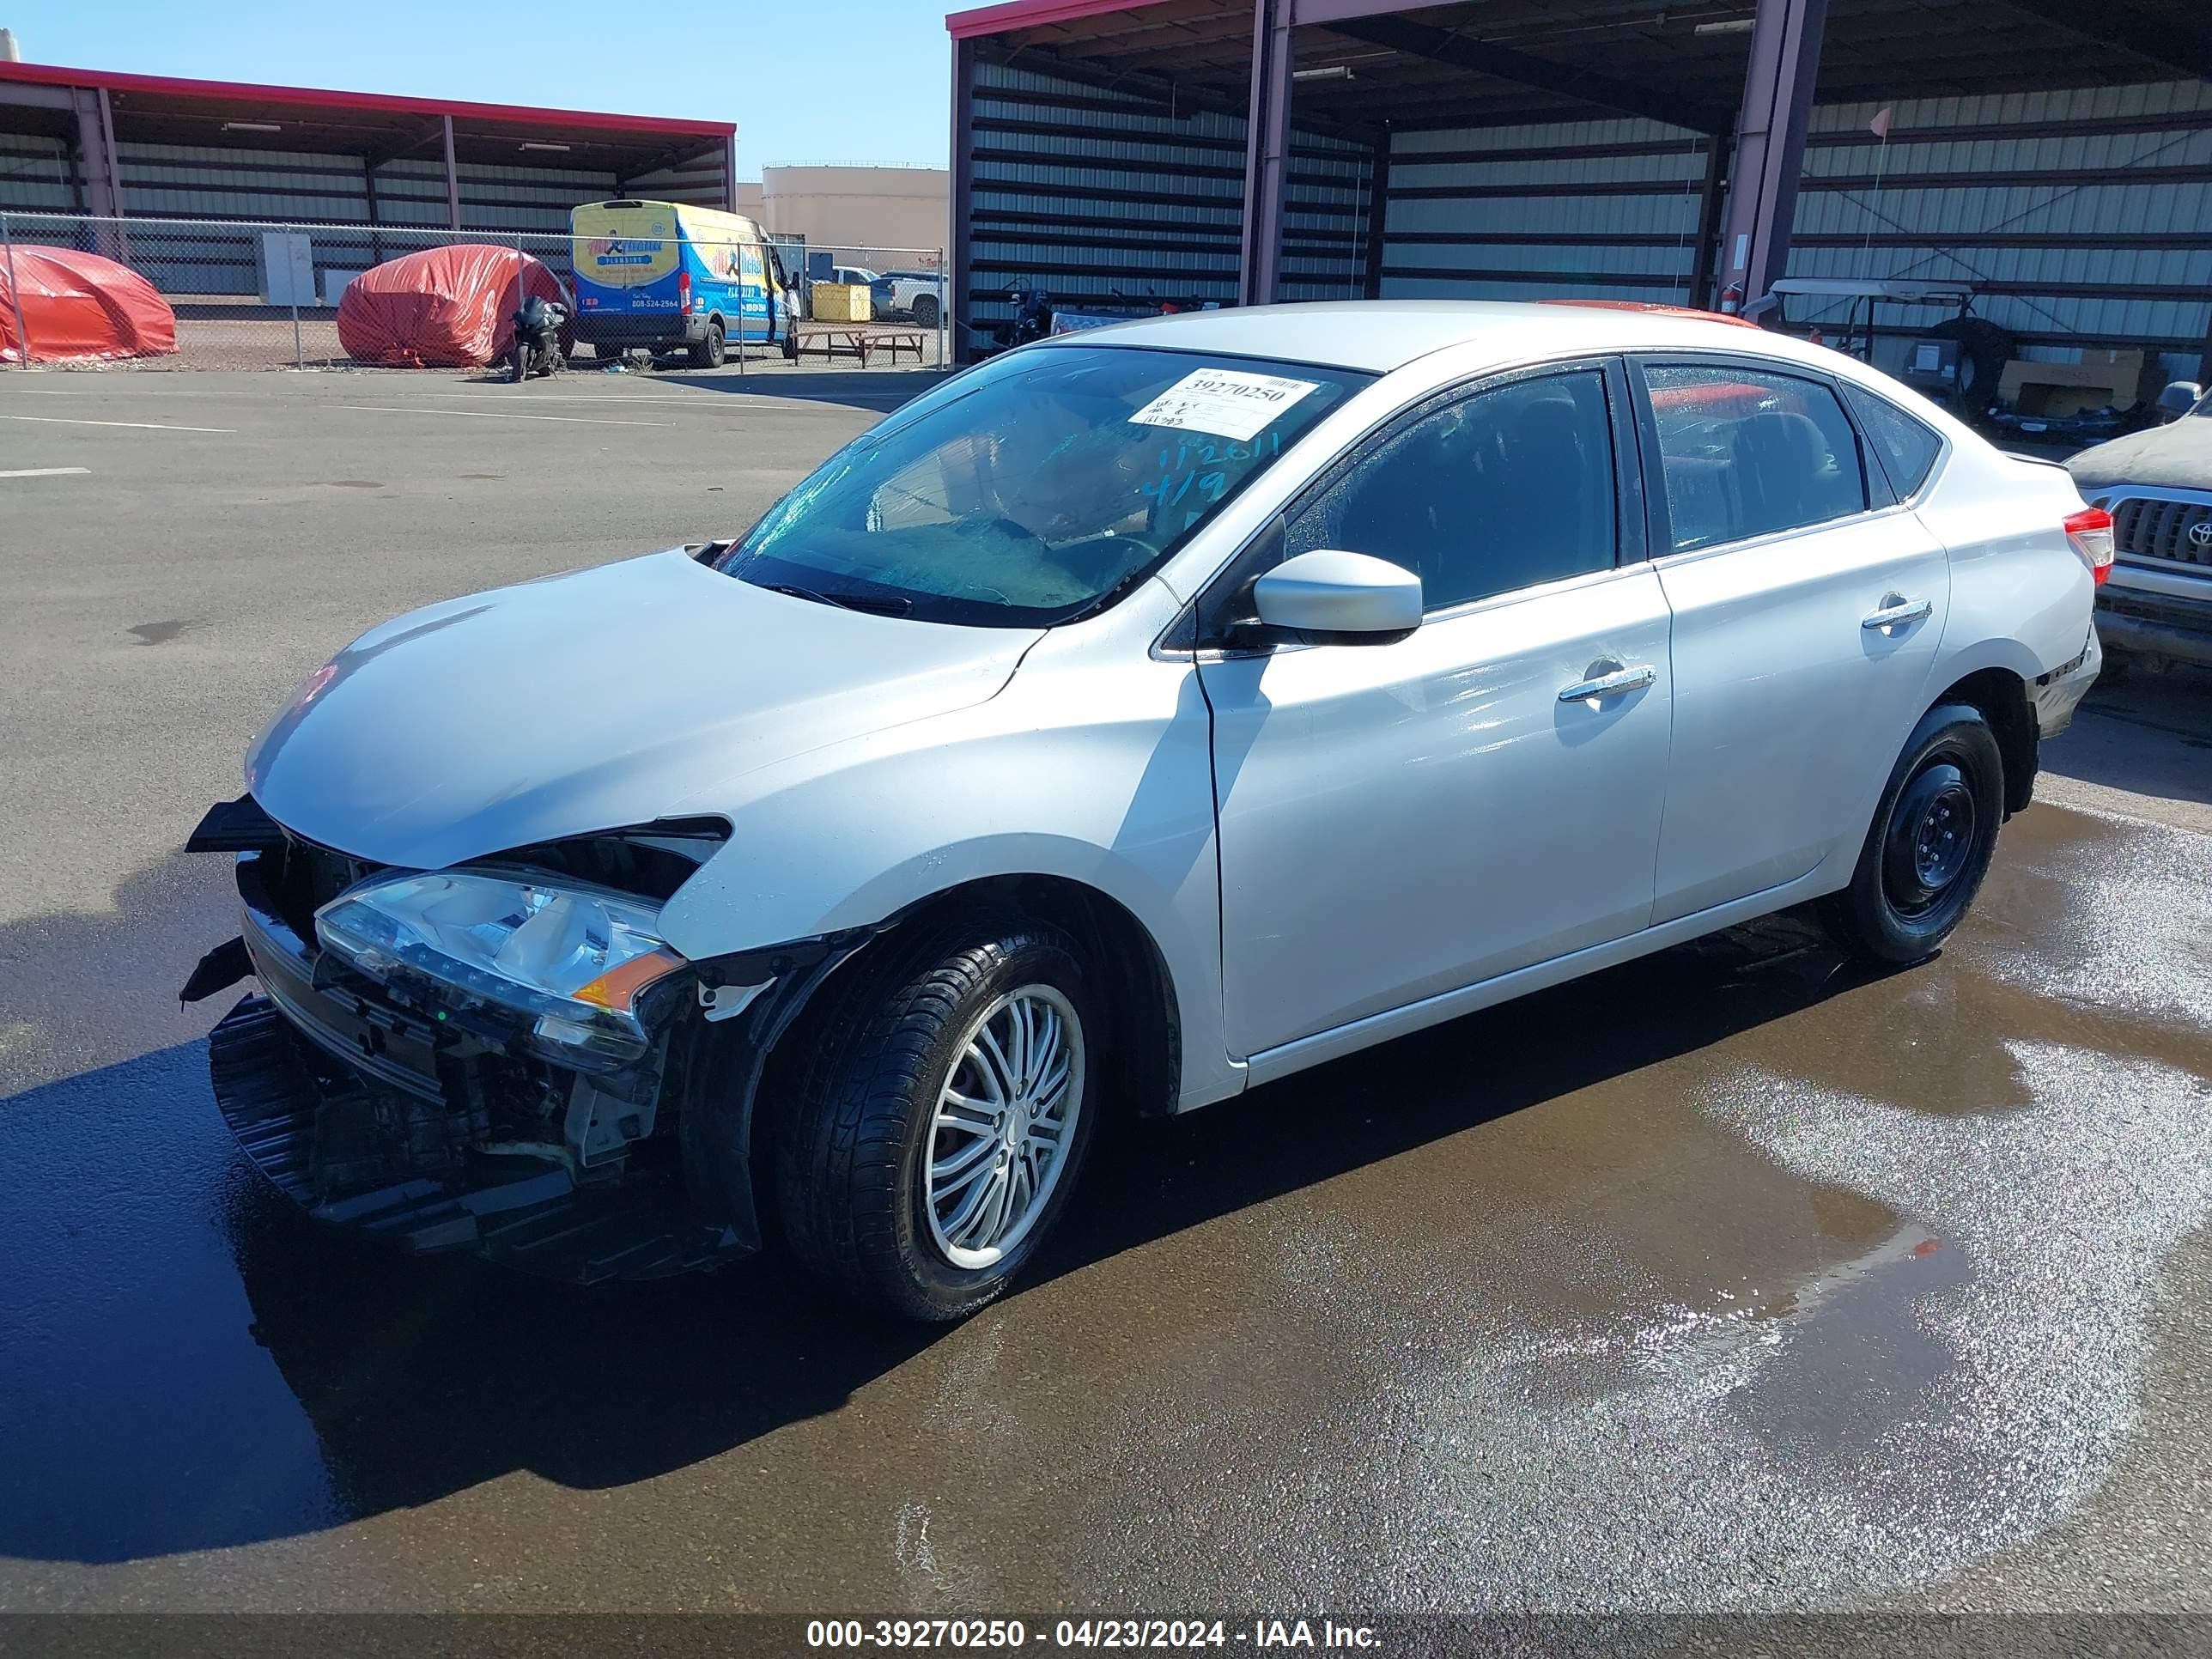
{"type": "Point", "coordinates": [1618, 682]}
{"type": "Point", "coordinates": [1897, 610]}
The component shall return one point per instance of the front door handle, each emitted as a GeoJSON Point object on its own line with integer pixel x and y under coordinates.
{"type": "Point", "coordinates": [1618, 682]}
{"type": "Point", "coordinates": [1897, 610]}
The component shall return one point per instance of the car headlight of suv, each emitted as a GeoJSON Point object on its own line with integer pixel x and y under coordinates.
{"type": "Point", "coordinates": [573, 960]}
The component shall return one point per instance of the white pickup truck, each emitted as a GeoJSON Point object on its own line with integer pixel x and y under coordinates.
{"type": "Point", "coordinates": [918, 295]}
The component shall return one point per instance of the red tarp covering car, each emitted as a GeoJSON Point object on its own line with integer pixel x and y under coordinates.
{"type": "Point", "coordinates": [80, 307]}
{"type": "Point", "coordinates": [445, 307]}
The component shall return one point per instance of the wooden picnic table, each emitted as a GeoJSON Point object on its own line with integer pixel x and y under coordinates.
{"type": "Point", "coordinates": [857, 342]}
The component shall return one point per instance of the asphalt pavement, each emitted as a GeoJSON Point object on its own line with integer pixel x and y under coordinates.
{"type": "Point", "coordinates": [1735, 1279]}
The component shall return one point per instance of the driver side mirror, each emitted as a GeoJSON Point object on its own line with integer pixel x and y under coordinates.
{"type": "Point", "coordinates": [2178, 399]}
{"type": "Point", "coordinates": [1340, 598]}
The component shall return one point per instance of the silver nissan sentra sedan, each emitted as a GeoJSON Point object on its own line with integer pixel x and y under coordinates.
{"type": "Point", "coordinates": [1125, 722]}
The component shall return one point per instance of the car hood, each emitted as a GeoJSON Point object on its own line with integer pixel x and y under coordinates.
{"type": "Point", "coordinates": [605, 697]}
{"type": "Point", "coordinates": [2178, 455]}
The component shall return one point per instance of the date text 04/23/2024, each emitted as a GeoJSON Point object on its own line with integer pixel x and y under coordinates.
{"type": "Point", "coordinates": [1154, 1633]}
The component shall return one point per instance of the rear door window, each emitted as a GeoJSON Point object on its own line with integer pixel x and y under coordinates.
{"type": "Point", "coordinates": [1747, 452]}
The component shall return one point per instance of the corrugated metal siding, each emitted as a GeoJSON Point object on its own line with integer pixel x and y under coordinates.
{"type": "Point", "coordinates": [2085, 215]}
{"type": "Point", "coordinates": [411, 191]}
{"type": "Point", "coordinates": [185, 183]}
{"type": "Point", "coordinates": [526, 199]}
{"type": "Point", "coordinates": [193, 181]}
{"type": "Point", "coordinates": [1089, 193]}
{"type": "Point", "coordinates": [36, 173]}
{"type": "Point", "coordinates": [1604, 208]}
{"type": "Point", "coordinates": [197, 192]}
{"type": "Point", "coordinates": [1092, 194]}
{"type": "Point", "coordinates": [699, 183]}
{"type": "Point", "coordinates": [1326, 208]}
{"type": "Point", "coordinates": [182, 258]}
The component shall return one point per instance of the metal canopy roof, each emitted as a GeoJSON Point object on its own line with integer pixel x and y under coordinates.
{"type": "Point", "coordinates": [1440, 65]}
{"type": "Point", "coordinates": [161, 109]}
{"type": "Point", "coordinates": [1904, 291]}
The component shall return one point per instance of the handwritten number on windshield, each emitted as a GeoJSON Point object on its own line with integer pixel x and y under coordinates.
{"type": "Point", "coordinates": [1194, 472]}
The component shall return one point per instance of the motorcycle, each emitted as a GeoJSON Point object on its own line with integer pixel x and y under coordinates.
{"type": "Point", "coordinates": [1032, 316]}
{"type": "Point", "coordinates": [537, 327]}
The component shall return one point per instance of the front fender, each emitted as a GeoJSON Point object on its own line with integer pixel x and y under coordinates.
{"type": "Point", "coordinates": [1098, 772]}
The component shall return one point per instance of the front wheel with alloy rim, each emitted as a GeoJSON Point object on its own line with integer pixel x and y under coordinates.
{"type": "Point", "coordinates": [942, 1119]}
{"type": "Point", "coordinates": [1930, 844]}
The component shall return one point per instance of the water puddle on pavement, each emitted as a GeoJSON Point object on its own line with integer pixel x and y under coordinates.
{"type": "Point", "coordinates": [1728, 1278]}
{"type": "Point", "coordinates": [1767, 1281]}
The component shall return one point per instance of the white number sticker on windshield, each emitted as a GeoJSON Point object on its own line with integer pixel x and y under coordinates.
{"type": "Point", "coordinates": [1227, 403]}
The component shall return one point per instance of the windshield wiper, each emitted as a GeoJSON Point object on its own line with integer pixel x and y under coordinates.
{"type": "Point", "coordinates": [874, 607]}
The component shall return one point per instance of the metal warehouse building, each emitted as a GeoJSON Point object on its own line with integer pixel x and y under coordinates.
{"type": "Point", "coordinates": [139, 147]}
{"type": "Point", "coordinates": [2055, 154]}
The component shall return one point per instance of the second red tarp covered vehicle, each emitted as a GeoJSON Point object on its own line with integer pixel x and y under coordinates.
{"type": "Point", "coordinates": [79, 308]}
{"type": "Point", "coordinates": [445, 307]}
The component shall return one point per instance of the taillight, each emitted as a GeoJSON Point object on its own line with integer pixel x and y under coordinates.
{"type": "Point", "coordinates": [2091, 532]}
{"type": "Point", "coordinates": [684, 297]}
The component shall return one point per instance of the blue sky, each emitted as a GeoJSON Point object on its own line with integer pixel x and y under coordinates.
{"type": "Point", "coordinates": [845, 80]}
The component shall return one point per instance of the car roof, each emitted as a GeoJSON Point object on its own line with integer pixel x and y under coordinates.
{"type": "Point", "coordinates": [1382, 335]}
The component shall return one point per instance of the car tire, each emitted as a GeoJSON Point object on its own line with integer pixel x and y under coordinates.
{"type": "Point", "coordinates": [872, 1172]}
{"type": "Point", "coordinates": [1930, 844]}
{"type": "Point", "coordinates": [711, 350]}
{"type": "Point", "coordinates": [924, 311]}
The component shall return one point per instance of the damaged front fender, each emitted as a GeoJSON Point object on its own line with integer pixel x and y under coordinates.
{"type": "Point", "coordinates": [727, 1060]}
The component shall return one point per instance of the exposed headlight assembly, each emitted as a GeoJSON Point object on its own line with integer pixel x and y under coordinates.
{"type": "Point", "coordinates": [573, 960]}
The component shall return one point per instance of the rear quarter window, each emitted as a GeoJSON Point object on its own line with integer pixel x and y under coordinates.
{"type": "Point", "coordinates": [1906, 447]}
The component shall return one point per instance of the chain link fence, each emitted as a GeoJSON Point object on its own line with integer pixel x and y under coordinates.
{"type": "Point", "coordinates": [263, 294]}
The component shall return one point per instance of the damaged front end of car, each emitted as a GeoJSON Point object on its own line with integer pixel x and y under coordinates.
{"type": "Point", "coordinates": [503, 1057]}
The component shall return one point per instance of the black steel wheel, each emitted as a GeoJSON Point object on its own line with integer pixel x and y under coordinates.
{"type": "Point", "coordinates": [1931, 842]}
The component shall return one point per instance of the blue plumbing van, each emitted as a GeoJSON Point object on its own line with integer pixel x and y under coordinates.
{"type": "Point", "coordinates": [660, 275]}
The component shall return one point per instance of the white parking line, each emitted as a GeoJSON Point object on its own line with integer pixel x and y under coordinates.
{"type": "Point", "coordinates": [582, 396]}
{"type": "Point", "coordinates": [45, 472]}
{"type": "Point", "coordinates": [139, 426]}
{"type": "Point", "coordinates": [487, 414]}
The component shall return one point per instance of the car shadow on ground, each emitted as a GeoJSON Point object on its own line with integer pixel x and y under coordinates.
{"type": "Point", "coordinates": [155, 1276]}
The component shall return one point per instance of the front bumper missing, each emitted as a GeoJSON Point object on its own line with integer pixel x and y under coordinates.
{"type": "Point", "coordinates": [430, 1120]}
{"type": "Point", "coordinates": [352, 1153]}
{"type": "Point", "coordinates": [426, 1126]}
